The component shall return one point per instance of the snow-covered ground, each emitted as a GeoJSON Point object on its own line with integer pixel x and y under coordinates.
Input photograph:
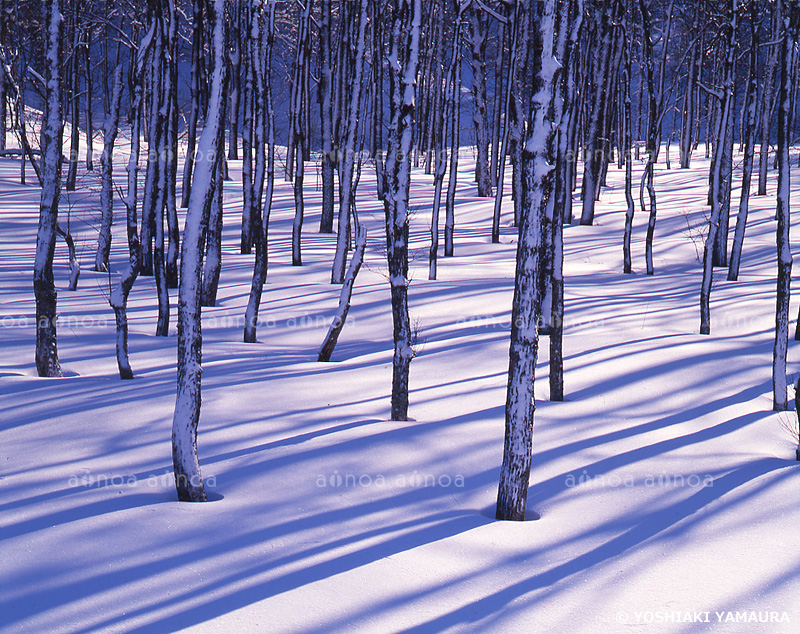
{"type": "Point", "coordinates": [663, 482]}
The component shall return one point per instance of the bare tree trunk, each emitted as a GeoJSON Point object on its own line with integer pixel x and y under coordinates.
{"type": "Point", "coordinates": [74, 103]}
{"type": "Point", "coordinates": [600, 67]}
{"type": "Point", "coordinates": [519, 410]}
{"type": "Point", "coordinates": [194, 85]}
{"type": "Point", "coordinates": [347, 160]}
{"type": "Point", "coordinates": [627, 142]}
{"type": "Point", "coordinates": [749, 129]}
{"type": "Point", "coordinates": [300, 131]}
{"type": "Point", "coordinates": [325, 97]}
{"type": "Point", "coordinates": [498, 101]}
{"type": "Point", "coordinates": [570, 22]}
{"type": "Point", "coordinates": [688, 110]}
{"type": "Point", "coordinates": [479, 32]}
{"type": "Point", "coordinates": [455, 137]}
{"type": "Point", "coordinates": [188, 480]}
{"type": "Point", "coordinates": [44, 289]}
{"type": "Point", "coordinates": [339, 318]}
{"type": "Point", "coordinates": [726, 108]}
{"type": "Point", "coordinates": [119, 295]}
{"type": "Point", "coordinates": [406, 20]}
{"type": "Point", "coordinates": [106, 175]}
{"type": "Point", "coordinates": [512, 105]}
{"type": "Point", "coordinates": [439, 148]}
{"type": "Point", "coordinates": [263, 38]}
{"type": "Point", "coordinates": [171, 156]}
{"type": "Point", "coordinates": [234, 61]}
{"type": "Point", "coordinates": [87, 73]}
{"type": "Point", "coordinates": [767, 103]}
{"type": "Point", "coordinates": [789, 32]}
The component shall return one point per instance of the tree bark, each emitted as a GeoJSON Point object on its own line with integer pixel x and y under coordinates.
{"type": "Point", "coordinates": [406, 20]}
{"type": "Point", "coordinates": [520, 405]}
{"type": "Point", "coordinates": [188, 479]}
{"type": "Point", "coordinates": [47, 364]}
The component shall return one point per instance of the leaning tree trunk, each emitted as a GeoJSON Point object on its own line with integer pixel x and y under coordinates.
{"type": "Point", "coordinates": [726, 112]}
{"type": "Point", "coordinates": [44, 288]}
{"type": "Point", "coordinates": [262, 42]}
{"type": "Point", "coordinates": [749, 150]}
{"type": "Point", "coordinates": [347, 161]}
{"type": "Point", "coordinates": [519, 410]}
{"type": "Point", "coordinates": [791, 24]}
{"type": "Point", "coordinates": [406, 20]}
{"type": "Point", "coordinates": [188, 480]}
{"type": "Point", "coordinates": [118, 298]}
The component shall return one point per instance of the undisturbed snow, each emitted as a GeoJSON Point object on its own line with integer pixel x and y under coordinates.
{"type": "Point", "coordinates": [325, 517]}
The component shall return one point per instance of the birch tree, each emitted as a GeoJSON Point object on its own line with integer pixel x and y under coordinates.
{"type": "Point", "coordinates": [118, 299]}
{"type": "Point", "coordinates": [348, 158]}
{"type": "Point", "coordinates": [261, 43]}
{"type": "Point", "coordinates": [404, 60]}
{"type": "Point", "coordinates": [44, 289]}
{"type": "Point", "coordinates": [725, 97]}
{"type": "Point", "coordinates": [789, 37]}
{"type": "Point", "coordinates": [110, 130]}
{"type": "Point", "coordinates": [188, 479]}
{"type": "Point", "coordinates": [478, 33]}
{"type": "Point", "coordinates": [525, 313]}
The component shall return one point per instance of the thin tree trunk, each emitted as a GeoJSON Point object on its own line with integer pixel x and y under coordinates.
{"type": "Point", "coordinates": [726, 107]}
{"type": "Point", "coordinates": [749, 129]}
{"type": "Point", "coordinates": [347, 161]}
{"type": "Point", "coordinates": [325, 98]}
{"type": "Point", "coordinates": [407, 17]}
{"type": "Point", "coordinates": [339, 318]}
{"type": "Point", "coordinates": [265, 133]}
{"type": "Point", "coordinates": [106, 175]}
{"type": "Point", "coordinates": [789, 32]}
{"type": "Point", "coordinates": [44, 289]}
{"type": "Point", "coordinates": [119, 295]}
{"type": "Point", "coordinates": [188, 479]}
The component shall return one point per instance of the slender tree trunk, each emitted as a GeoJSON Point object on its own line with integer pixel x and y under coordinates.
{"type": "Point", "coordinates": [767, 103]}
{"type": "Point", "coordinates": [188, 479]}
{"type": "Point", "coordinates": [194, 85]}
{"type": "Point", "coordinates": [455, 140]}
{"type": "Point", "coordinates": [406, 20]}
{"type": "Point", "coordinates": [300, 131]}
{"type": "Point", "coordinates": [726, 108]}
{"type": "Point", "coordinates": [119, 295]}
{"type": "Point", "coordinates": [171, 155]}
{"type": "Point", "coordinates": [47, 364]}
{"type": "Point", "coordinates": [339, 318]}
{"type": "Point", "coordinates": [74, 104]}
{"type": "Point", "coordinates": [325, 97]}
{"type": "Point", "coordinates": [789, 32]}
{"type": "Point", "coordinates": [106, 175]}
{"type": "Point", "coordinates": [347, 161]}
{"type": "Point", "coordinates": [749, 130]}
{"type": "Point", "coordinates": [479, 32]}
{"type": "Point", "coordinates": [511, 105]}
{"type": "Point", "coordinates": [263, 42]}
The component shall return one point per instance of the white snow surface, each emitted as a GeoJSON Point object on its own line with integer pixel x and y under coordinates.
{"type": "Point", "coordinates": [325, 517]}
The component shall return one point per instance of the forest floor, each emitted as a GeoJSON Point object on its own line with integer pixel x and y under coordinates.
{"type": "Point", "coordinates": [663, 482]}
